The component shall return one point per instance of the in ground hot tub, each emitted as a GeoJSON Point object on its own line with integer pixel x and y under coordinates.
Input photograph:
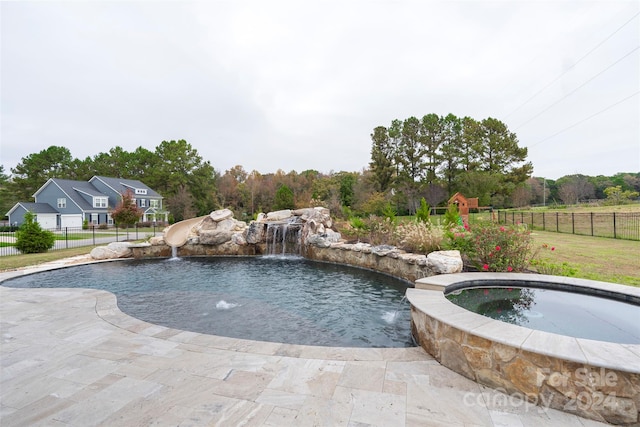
{"type": "Point", "coordinates": [582, 374]}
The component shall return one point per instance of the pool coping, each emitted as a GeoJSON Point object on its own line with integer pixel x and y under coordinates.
{"type": "Point", "coordinates": [429, 296]}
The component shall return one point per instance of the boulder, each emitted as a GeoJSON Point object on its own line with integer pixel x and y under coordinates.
{"type": "Point", "coordinates": [214, 237]}
{"type": "Point", "coordinates": [121, 249]}
{"type": "Point", "coordinates": [221, 215]}
{"type": "Point", "coordinates": [255, 233]}
{"type": "Point", "coordinates": [384, 250]}
{"type": "Point", "coordinates": [238, 239]}
{"type": "Point", "coordinates": [157, 240]}
{"type": "Point", "coordinates": [445, 262]}
{"type": "Point", "coordinates": [279, 215]}
{"type": "Point", "coordinates": [102, 252]}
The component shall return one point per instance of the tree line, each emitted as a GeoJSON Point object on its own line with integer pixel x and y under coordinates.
{"type": "Point", "coordinates": [429, 158]}
{"type": "Point", "coordinates": [435, 156]}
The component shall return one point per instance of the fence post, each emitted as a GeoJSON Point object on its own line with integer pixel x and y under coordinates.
{"type": "Point", "coordinates": [614, 226]}
{"type": "Point", "coordinates": [592, 223]}
{"type": "Point", "coordinates": [93, 232]}
{"type": "Point", "coordinates": [557, 223]}
{"type": "Point", "coordinates": [543, 224]}
{"type": "Point", "coordinates": [532, 220]}
{"type": "Point", "coordinates": [66, 237]}
{"type": "Point", "coordinates": [573, 223]}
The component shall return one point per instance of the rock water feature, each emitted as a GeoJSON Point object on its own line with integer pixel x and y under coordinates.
{"type": "Point", "coordinates": [307, 232]}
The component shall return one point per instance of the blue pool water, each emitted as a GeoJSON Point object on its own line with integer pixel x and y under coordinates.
{"type": "Point", "coordinates": [550, 310]}
{"type": "Point", "coordinates": [279, 299]}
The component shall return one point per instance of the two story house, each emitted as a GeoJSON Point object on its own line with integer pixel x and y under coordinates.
{"type": "Point", "coordinates": [61, 203]}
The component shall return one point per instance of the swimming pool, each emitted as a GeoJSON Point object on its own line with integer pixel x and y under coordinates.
{"type": "Point", "coordinates": [273, 298]}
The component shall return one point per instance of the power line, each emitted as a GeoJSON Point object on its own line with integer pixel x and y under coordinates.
{"type": "Point", "coordinates": [576, 89]}
{"type": "Point", "coordinates": [574, 64]}
{"type": "Point", "coordinates": [584, 120]}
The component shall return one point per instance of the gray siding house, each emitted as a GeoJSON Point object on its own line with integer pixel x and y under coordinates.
{"type": "Point", "coordinates": [61, 203]}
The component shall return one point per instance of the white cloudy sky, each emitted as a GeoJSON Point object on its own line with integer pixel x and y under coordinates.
{"type": "Point", "coordinates": [298, 85]}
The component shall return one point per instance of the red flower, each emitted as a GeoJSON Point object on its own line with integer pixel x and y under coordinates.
{"type": "Point", "coordinates": [553, 248]}
{"type": "Point", "coordinates": [486, 291]}
{"type": "Point", "coordinates": [485, 267]}
{"type": "Point", "coordinates": [509, 269]}
{"type": "Point", "coordinates": [502, 228]}
{"type": "Point", "coordinates": [497, 248]}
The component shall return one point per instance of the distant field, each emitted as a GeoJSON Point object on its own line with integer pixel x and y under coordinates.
{"type": "Point", "coordinates": [620, 222]}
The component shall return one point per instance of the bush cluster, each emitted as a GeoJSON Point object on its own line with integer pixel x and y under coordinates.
{"type": "Point", "coordinates": [31, 238]}
{"type": "Point", "coordinates": [493, 247]}
{"type": "Point", "coordinates": [414, 236]}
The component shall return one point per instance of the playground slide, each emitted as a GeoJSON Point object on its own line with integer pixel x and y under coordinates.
{"type": "Point", "coordinates": [177, 234]}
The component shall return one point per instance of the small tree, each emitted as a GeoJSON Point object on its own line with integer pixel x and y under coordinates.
{"type": "Point", "coordinates": [31, 238]}
{"type": "Point", "coordinates": [423, 212]}
{"type": "Point", "coordinates": [615, 195]}
{"type": "Point", "coordinates": [284, 198]}
{"type": "Point", "coordinates": [126, 212]}
{"type": "Point", "coordinates": [452, 216]}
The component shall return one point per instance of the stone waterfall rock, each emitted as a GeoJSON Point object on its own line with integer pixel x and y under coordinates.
{"type": "Point", "coordinates": [221, 215]}
{"type": "Point", "coordinates": [255, 233]}
{"type": "Point", "coordinates": [279, 215]}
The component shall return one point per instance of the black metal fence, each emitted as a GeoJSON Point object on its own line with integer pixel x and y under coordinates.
{"type": "Point", "coordinates": [71, 237]}
{"type": "Point", "coordinates": [617, 225]}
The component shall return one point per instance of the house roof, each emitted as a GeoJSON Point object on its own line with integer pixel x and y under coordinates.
{"type": "Point", "coordinates": [71, 188]}
{"type": "Point", "coordinates": [121, 185]}
{"type": "Point", "coordinates": [37, 208]}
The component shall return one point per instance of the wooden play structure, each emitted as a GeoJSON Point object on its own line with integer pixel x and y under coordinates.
{"type": "Point", "coordinates": [464, 205]}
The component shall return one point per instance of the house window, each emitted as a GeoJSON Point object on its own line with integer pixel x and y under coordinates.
{"type": "Point", "coordinates": [109, 219]}
{"type": "Point", "coordinates": [94, 218]}
{"type": "Point", "coordinates": [100, 202]}
{"type": "Point", "coordinates": [62, 202]}
{"type": "Point", "coordinates": [141, 191]}
{"type": "Point", "coordinates": [143, 203]}
{"type": "Point", "coordinates": [154, 203]}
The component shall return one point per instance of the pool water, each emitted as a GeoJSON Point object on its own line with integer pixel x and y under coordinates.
{"type": "Point", "coordinates": [280, 299]}
{"type": "Point", "coordinates": [561, 312]}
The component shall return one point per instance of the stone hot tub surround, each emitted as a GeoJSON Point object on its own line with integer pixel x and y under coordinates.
{"type": "Point", "coordinates": [593, 379]}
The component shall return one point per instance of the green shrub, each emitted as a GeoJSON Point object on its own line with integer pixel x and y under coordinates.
{"type": "Point", "coordinates": [423, 212]}
{"type": "Point", "coordinates": [452, 216]}
{"type": "Point", "coordinates": [85, 224]}
{"type": "Point", "coordinates": [389, 211]}
{"type": "Point", "coordinates": [31, 238]}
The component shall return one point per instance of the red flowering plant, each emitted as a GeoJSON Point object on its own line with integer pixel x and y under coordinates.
{"type": "Point", "coordinates": [493, 247]}
{"type": "Point", "coordinates": [502, 247]}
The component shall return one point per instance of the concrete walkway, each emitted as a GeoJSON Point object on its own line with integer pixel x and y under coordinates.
{"type": "Point", "coordinates": [69, 357]}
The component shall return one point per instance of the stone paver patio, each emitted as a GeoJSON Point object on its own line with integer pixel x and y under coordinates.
{"type": "Point", "coordinates": [69, 357]}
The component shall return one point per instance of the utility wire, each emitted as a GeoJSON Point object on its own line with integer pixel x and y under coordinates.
{"type": "Point", "coordinates": [584, 120]}
{"type": "Point", "coordinates": [576, 89]}
{"type": "Point", "coordinates": [574, 64]}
